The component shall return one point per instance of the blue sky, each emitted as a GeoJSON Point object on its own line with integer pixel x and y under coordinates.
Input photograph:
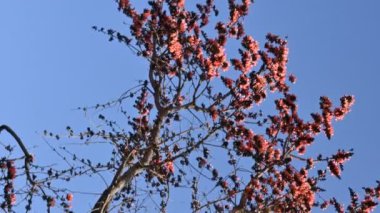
{"type": "Point", "coordinates": [51, 62]}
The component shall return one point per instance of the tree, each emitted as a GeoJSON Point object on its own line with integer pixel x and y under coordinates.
{"type": "Point", "coordinates": [199, 124]}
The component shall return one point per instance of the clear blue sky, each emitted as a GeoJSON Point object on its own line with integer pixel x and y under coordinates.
{"type": "Point", "coordinates": [52, 62]}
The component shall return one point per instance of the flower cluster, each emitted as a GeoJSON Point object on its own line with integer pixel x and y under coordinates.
{"type": "Point", "coordinates": [345, 104]}
{"type": "Point", "coordinates": [9, 191]}
{"type": "Point", "coordinates": [325, 105]}
{"type": "Point", "coordinates": [249, 56]}
{"type": "Point", "coordinates": [277, 48]}
{"type": "Point", "coordinates": [175, 47]}
{"type": "Point", "coordinates": [338, 113]}
{"type": "Point", "coordinates": [335, 163]}
{"type": "Point", "coordinates": [238, 10]}
{"type": "Point", "coordinates": [141, 122]}
{"type": "Point", "coordinates": [185, 61]}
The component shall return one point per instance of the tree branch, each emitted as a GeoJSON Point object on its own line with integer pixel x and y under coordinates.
{"type": "Point", "coordinates": [28, 157]}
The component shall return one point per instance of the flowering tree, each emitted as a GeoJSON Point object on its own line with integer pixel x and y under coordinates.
{"type": "Point", "coordinates": [198, 125]}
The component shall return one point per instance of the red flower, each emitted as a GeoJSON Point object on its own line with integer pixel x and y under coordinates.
{"type": "Point", "coordinates": [292, 78]}
{"type": "Point", "coordinates": [342, 156]}
{"type": "Point", "coordinates": [325, 204]}
{"type": "Point", "coordinates": [182, 26]}
{"type": "Point", "coordinates": [12, 172]}
{"type": "Point", "coordinates": [310, 163]}
{"type": "Point", "coordinates": [334, 168]}
{"type": "Point", "coordinates": [339, 113]}
{"type": "Point", "coordinates": [12, 199]}
{"type": "Point", "coordinates": [234, 16]}
{"type": "Point", "coordinates": [231, 193]}
{"type": "Point", "coordinates": [237, 64]}
{"type": "Point", "coordinates": [228, 82]}
{"type": "Point", "coordinates": [225, 66]}
{"type": "Point", "coordinates": [329, 131]}
{"type": "Point", "coordinates": [347, 101]}
{"type": "Point", "coordinates": [261, 144]}
{"type": "Point", "coordinates": [214, 113]}
{"type": "Point", "coordinates": [181, 3]}
{"type": "Point", "coordinates": [50, 202]}
{"type": "Point", "coordinates": [244, 82]}
{"type": "Point", "coordinates": [224, 184]}
{"type": "Point", "coordinates": [69, 197]}
{"type": "Point", "coordinates": [175, 47]}
{"type": "Point", "coordinates": [325, 102]}
{"type": "Point", "coordinates": [123, 4]}
{"type": "Point", "coordinates": [170, 166]}
{"type": "Point", "coordinates": [180, 100]}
